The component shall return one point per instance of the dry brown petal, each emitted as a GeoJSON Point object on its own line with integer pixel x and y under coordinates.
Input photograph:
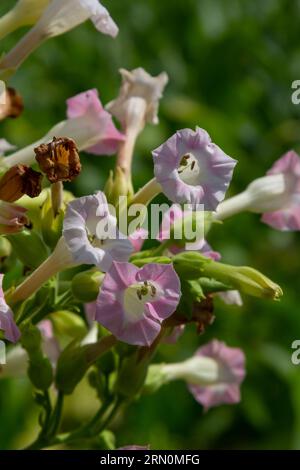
{"type": "Point", "coordinates": [20, 180]}
{"type": "Point", "coordinates": [14, 104]}
{"type": "Point", "coordinates": [59, 159]}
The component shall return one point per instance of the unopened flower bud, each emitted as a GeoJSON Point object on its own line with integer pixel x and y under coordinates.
{"type": "Point", "coordinates": [118, 185]}
{"type": "Point", "coordinates": [74, 362]}
{"type": "Point", "coordinates": [13, 106]}
{"type": "Point", "coordinates": [68, 324]}
{"type": "Point", "coordinates": [29, 247]}
{"type": "Point", "coordinates": [131, 376]}
{"type": "Point", "coordinates": [40, 372]}
{"type": "Point", "coordinates": [59, 159]}
{"type": "Point", "coordinates": [86, 285]}
{"type": "Point", "coordinates": [20, 180]}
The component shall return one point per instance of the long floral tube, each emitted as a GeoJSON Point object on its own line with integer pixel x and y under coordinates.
{"type": "Point", "coordinates": [60, 259]}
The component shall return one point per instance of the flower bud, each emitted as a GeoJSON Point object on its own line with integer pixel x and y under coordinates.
{"type": "Point", "coordinates": [189, 265]}
{"type": "Point", "coordinates": [119, 185]}
{"type": "Point", "coordinates": [20, 180]}
{"type": "Point", "coordinates": [29, 248]}
{"type": "Point", "coordinates": [245, 279]}
{"type": "Point", "coordinates": [39, 369]}
{"type": "Point", "coordinates": [131, 376]}
{"type": "Point", "coordinates": [40, 372]}
{"type": "Point", "coordinates": [5, 248]}
{"type": "Point", "coordinates": [86, 285]}
{"type": "Point", "coordinates": [74, 362]}
{"type": "Point", "coordinates": [68, 324]}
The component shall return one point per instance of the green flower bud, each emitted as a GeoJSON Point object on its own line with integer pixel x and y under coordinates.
{"type": "Point", "coordinates": [117, 186]}
{"type": "Point", "coordinates": [246, 279]}
{"type": "Point", "coordinates": [29, 248]}
{"type": "Point", "coordinates": [68, 324]}
{"type": "Point", "coordinates": [40, 372]}
{"type": "Point", "coordinates": [5, 247]}
{"type": "Point", "coordinates": [131, 376]}
{"type": "Point", "coordinates": [190, 264]}
{"type": "Point", "coordinates": [75, 361]}
{"type": "Point", "coordinates": [31, 339]}
{"type": "Point", "coordinates": [85, 285]}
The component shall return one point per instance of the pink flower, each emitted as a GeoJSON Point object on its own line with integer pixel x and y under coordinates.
{"type": "Point", "coordinates": [7, 323]}
{"type": "Point", "coordinates": [286, 216]}
{"type": "Point", "coordinates": [12, 218]}
{"type": "Point", "coordinates": [224, 375]}
{"type": "Point", "coordinates": [91, 234]}
{"type": "Point", "coordinates": [192, 169]}
{"type": "Point", "coordinates": [110, 138]}
{"type": "Point", "coordinates": [175, 213]}
{"type": "Point", "coordinates": [133, 302]}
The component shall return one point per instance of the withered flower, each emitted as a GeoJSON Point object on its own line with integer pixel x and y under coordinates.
{"type": "Point", "coordinates": [59, 159]}
{"type": "Point", "coordinates": [20, 180]}
{"type": "Point", "coordinates": [13, 105]}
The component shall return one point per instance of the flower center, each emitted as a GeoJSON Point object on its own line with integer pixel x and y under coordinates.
{"type": "Point", "coordinates": [136, 296]}
{"type": "Point", "coordinates": [189, 170]}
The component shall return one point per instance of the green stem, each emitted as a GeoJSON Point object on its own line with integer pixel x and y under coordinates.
{"type": "Point", "coordinates": [147, 193]}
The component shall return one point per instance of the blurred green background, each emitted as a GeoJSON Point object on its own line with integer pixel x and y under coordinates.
{"type": "Point", "coordinates": [231, 64]}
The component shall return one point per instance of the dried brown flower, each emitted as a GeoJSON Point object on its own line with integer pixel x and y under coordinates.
{"type": "Point", "coordinates": [13, 106]}
{"type": "Point", "coordinates": [59, 159]}
{"type": "Point", "coordinates": [20, 180]}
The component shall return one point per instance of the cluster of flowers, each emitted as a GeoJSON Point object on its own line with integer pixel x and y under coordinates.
{"type": "Point", "coordinates": [129, 296]}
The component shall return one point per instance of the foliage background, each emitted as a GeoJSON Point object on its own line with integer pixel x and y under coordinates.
{"type": "Point", "coordinates": [231, 64]}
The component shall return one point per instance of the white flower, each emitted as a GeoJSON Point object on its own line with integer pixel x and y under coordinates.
{"type": "Point", "coordinates": [59, 17]}
{"type": "Point", "coordinates": [63, 15]}
{"type": "Point", "coordinates": [139, 84]}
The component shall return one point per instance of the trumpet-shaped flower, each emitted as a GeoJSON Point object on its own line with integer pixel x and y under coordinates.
{"type": "Point", "coordinates": [7, 322]}
{"type": "Point", "coordinates": [133, 302]}
{"type": "Point", "coordinates": [215, 374]}
{"type": "Point", "coordinates": [110, 138]}
{"type": "Point", "coordinates": [285, 214]}
{"type": "Point", "coordinates": [87, 125]}
{"type": "Point", "coordinates": [91, 233]}
{"type": "Point", "coordinates": [138, 84]}
{"type": "Point", "coordinates": [59, 17]}
{"type": "Point", "coordinates": [12, 218]}
{"type": "Point", "coordinates": [192, 169]}
{"type": "Point", "coordinates": [63, 15]}
{"type": "Point", "coordinates": [276, 195]}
